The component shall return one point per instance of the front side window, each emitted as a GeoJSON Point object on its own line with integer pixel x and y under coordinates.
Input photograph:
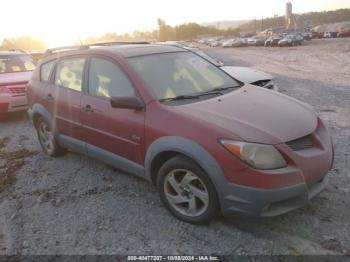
{"type": "Point", "coordinates": [69, 73]}
{"type": "Point", "coordinates": [180, 73]}
{"type": "Point", "coordinates": [16, 63]}
{"type": "Point", "coordinates": [46, 71]}
{"type": "Point", "coordinates": [106, 79]}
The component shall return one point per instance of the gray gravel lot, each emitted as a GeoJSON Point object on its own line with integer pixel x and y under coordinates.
{"type": "Point", "coordinates": [77, 205]}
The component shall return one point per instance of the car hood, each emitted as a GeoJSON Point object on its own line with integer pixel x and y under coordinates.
{"type": "Point", "coordinates": [255, 115]}
{"type": "Point", "coordinates": [8, 78]}
{"type": "Point", "coordinates": [246, 74]}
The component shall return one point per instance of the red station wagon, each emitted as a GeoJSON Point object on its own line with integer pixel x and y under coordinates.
{"type": "Point", "coordinates": [207, 141]}
{"type": "Point", "coordinates": [15, 71]}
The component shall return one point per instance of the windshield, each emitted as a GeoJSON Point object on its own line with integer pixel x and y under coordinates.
{"type": "Point", "coordinates": [179, 74]}
{"type": "Point", "coordinates": [206, 57]}
{"type": "Point", "coordinates": [16, 63]}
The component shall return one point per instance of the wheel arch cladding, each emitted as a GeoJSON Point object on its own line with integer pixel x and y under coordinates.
{"type": "Point", "coordinates": [38, 111]}
{"type": "Point", "coordinates": [167, 147]}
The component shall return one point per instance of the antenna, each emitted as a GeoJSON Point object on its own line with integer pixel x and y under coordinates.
{"type": "Point", "coordinates": [81, 42]}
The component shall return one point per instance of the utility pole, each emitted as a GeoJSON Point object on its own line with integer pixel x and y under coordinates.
{"type": "Point", "coordinates": [262, 23]}
{"type": "Point", "coordinates": [255, 25]}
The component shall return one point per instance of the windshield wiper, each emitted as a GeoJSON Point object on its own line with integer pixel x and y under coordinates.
{"type": "Point", "coordinates": [217, 90]}
{"type": "Point", "coordinates": [181, 97]}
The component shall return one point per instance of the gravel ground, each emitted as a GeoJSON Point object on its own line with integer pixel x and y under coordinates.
{"type": "Point", "coordinates": [76, 205]}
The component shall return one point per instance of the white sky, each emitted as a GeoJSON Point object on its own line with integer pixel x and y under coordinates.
{"type": "Point", "coordinates": [61, 22]}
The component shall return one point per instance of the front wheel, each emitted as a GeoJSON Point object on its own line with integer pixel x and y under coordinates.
{"type": "Point", "coordinates": [187, 191]}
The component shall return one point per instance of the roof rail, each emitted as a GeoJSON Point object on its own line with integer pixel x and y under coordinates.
{"type": "Point", "coordinates": [17, 50]}
{"type": "Point", "coordinates": [64, 49]}
{"type": "Point", "coordinates": [82, 47]}
{"type": "Point", "coordinates": [120, 43]}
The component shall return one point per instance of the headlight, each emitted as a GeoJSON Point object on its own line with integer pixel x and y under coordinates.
{"type": "Point", "coordinates": [259, 156]}
{"type": "Point", "coordinates": [270, 85]}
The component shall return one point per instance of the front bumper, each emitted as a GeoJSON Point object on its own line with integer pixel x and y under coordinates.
{"type": "Point", "coordinates": [268, 202]}
{"type": "Point", "coordinates": [278, 191]}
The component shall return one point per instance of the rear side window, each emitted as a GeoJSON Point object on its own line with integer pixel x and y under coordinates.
{"type": "Point", "coordinates": [106, 79]}
{"type": "Point", "coordinates": [45, 71]}
{"type": "Point", "coordinates": [69, 73]}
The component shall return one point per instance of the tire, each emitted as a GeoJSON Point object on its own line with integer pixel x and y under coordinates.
{"type": "Point", "coordinates": [195, 200]}
{"type": "Point", "coordinates": [47, 139]}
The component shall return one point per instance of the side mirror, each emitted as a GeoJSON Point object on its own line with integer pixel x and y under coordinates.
{"type": "Point", "coordinates": [130, 102]}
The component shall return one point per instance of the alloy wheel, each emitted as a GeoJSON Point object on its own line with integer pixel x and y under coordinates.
{"type": "Point", "coordinates": [46, 137]}
{"type": "Point", "coordinates": [186, 192]}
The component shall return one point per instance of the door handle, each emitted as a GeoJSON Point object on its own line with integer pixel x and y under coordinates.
{"type": "Point", "coordinates": [49, 97]}
{"type": "Point", "coordinates": [88, 108]}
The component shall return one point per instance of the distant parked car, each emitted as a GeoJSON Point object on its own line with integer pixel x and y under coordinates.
{"type": "Point", "coordinates": [228, 43]}
{"type": "Point", "coordinates": [327, 34]}
{"type": "Point", "coordinates": [306, 36]}
{"type": "Point", "coordinates": [273, 41]}
{"type": "Point", "coordinates": [344, 34]}
{"type": "Point", "coordinates": [214, 43]}
{"type": "Point", "coordinates": [290, 40]}
{"type": "Point", "coordinates": [238, 42]}
{"type": "Point", "coordinates": [255, 41]}
{"type": "Point", "coordinates": [317, 35]}
{"type": "Point", "coordinates": [330, 34]}
{"type": "Point", "coordinates": [15, 71]}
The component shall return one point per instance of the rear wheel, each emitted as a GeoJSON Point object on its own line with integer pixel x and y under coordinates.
{"type": "Point", "coordinates": [47, 139]}
{"type": "Point", "coordinates": [187, 191]}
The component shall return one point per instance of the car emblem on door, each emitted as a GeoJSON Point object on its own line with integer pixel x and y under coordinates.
{"type": "Point", "coordinates": [135, 137]}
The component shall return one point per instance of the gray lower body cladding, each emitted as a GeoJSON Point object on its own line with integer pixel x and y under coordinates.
{"type": "Point", "coordinates": [268, 202]}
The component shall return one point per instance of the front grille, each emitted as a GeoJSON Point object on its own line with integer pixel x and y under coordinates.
{"type": "Point", "coordinates": [301, 143]}
{"type": "Point", "coordinates": [17, 90]}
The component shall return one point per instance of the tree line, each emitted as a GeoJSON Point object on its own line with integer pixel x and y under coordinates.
{"type": "Point", "coordinates": [164, 32]}
{"type": "Point", "coordinates": [25, 43]}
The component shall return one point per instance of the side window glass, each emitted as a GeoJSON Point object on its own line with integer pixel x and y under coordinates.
{"type": "Point", "coordinates": [45, 71]}
{"type": "Point", "coordinates": [106, 79]}
{"type": "Point", "coordinates": [69, 73]}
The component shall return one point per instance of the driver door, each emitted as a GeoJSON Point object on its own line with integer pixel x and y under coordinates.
{"type": "Point", "coordinates": [119, 131]}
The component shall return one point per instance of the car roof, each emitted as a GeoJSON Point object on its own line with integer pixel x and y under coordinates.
{"type": "Point", "coordinates": [126, 51]}
{"type": "Point", "coordinates": [144, 49]}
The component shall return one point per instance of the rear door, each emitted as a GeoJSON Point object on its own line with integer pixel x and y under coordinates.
{"type": "Point", "coordinates": [120, 131]}
{"type": "Point", "coordinates": [46, 88]}
{"type": "Point", "coordinates": [68, 82]}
